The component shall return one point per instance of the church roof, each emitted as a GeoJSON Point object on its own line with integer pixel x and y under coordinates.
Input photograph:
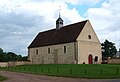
{"type": "Point", "coordinates": [66, 34]}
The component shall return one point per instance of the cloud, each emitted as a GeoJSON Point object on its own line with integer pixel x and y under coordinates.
{"type": "Point", "coordinates": [20, 21]}
{"type": "Point", "coordinates": [74, 2]}
{"type": "Point", "coordinates": [105, 20]}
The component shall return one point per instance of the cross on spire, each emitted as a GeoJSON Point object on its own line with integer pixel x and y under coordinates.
{"type": "Point", "coordinates": [59, 21]}
{"type": "Point", "coordinates": [59, 11]}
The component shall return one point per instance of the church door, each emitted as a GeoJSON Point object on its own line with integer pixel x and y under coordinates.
{"type": "Point", "coordinates": [90, 59]}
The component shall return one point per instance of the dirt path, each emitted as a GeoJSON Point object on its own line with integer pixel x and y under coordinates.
{"type": "Point", "coordinates": [22, 77]}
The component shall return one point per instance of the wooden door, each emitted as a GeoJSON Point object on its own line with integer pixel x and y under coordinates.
{"type": "Point", "coordinates": [90, 59]}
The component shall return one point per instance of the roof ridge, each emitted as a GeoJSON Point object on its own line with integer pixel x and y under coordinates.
{"type": "Point", "coordinates": [75, 23]}
{"type": "Point", "coordinates": [64, 26]}
{"type": "Point", "coordinates": [47, 30]}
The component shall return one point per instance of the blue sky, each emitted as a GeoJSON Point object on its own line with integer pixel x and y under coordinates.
{"type": "Point", "coordinates": [82, 8]}
{"type": "Point", "coordinates": [22, 20]}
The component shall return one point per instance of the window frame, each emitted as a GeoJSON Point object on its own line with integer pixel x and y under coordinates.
{"type": "Point", "coordinates": [65, 49]}
{"type": "Point", "coordinates": [37, 52]}
{"type": "Point", "coordinates": [48, 50]}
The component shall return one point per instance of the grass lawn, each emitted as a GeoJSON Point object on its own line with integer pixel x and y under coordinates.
{"type": "Point", "coordinates": [103, 71]}
{"type": "Point", "coordinates": [2, 78]}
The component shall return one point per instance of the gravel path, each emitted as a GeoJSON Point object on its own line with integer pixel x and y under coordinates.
{"type": "Point", "coordinates": [22, 77]}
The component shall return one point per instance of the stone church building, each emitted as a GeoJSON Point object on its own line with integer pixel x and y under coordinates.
{"type": "Point", "coordinates": [72, 44]}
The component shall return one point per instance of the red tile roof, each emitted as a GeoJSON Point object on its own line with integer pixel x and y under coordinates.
{"type": "Point", "coordinates": [66, 34]}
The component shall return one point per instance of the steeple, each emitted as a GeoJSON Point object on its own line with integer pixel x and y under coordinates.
{"type": "Point", "coordinates": [59, 22]}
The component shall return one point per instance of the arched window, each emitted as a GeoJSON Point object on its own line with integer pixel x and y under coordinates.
{"type": "Point", "coordinates": [96, 59]}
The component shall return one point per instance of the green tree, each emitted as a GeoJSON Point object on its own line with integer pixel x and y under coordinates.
{"type": "Point", "coordinates": [19, 57]}
{"type": "Point", "coordinates": [10, 56]}
{"type": "Point", "coordinates": [1, 51]}
{"type": "Point", "coordinates": [1, 54]}
{"type": "Point", "coordinates": [24, 58]}
{"type": "Point", "coordinates": [108, 49]}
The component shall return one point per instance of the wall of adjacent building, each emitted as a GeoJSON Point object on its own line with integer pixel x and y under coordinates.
{"type": "Point", "coordinates": [88, 45]}
{"type": "Point", "coordinates": [6, 64]}
{"type": "Point", "coordinates": [3, 64]}
{"type": "Point", "coordinates": [114, 61]}
{"type": "Point", "coordinates": [56, 55]}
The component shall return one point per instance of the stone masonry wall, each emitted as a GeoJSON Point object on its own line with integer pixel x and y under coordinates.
{"type": "Point", "coordinates": [56, 55]}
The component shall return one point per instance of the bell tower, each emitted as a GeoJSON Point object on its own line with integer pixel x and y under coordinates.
{"type": "Point", "coordinates": [59, 21]}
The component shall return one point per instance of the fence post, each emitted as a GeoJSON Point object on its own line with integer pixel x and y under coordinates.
{"type": "Point", "coordinates": [48, 70]}
{"type": "Point", "coordinates": [29, 69]}
{"type": "Point", "coordinates": [42, 70]}
{"type": "Point", "coordinates": [7, 69]}
{"type": "Point", "coordinates": [57, 71]}
{"type": "Point", "coordinates": [35, 69]}
{"type": "Point", "coordinates": [85, 71]}
{"type": "Point", "coordinates": [70, 71]}
{"type": "Point", "coordinates": [117, 71]}
{"type": "Point", "coordinates": [15, 68]}
{"type": "Point", "coordinates": [24, 68]}
{"type": "Point", "coordinates": [101, 71]}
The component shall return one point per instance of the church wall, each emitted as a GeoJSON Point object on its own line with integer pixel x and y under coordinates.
{"type": "Point", "coordinates": [56, 55]}
{"type": "Point", "coordinates": [87, 48]}
{"type": "Point", "coordinates": [88, 43]}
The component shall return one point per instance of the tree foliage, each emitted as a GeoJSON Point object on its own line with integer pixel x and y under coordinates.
{"type": "Point", "coordinates": [10, 56]}
{"type": "Point", "coordinates": [108, 49]}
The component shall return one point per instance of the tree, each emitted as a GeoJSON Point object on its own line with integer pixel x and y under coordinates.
{"type": "Point", "coordinates": [108, 49]}
{"type": "Point", "coordinates": [19, 57]}
{"type": "Point", "coordinates": [1, 51]}
{"type": "Point", "coordinates": [10, 56]}
{"type": "Point", "coordinates": [24, 58]}
{"type": "Point", "coordinates": [1, 54]}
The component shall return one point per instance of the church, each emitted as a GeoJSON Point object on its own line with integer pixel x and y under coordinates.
{"type": "Point", "coordinates": [71, 44]}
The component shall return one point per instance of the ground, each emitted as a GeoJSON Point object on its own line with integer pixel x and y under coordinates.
{"type": "Point", "coordinates": [22, 77]}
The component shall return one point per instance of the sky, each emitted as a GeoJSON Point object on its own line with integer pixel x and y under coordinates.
{"type": "Point", "coordinates": [22, 20]}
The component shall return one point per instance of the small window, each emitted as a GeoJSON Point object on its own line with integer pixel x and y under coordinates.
{"type": "Point", "coordinates": [64, 49]}
{"type": "Point", "coordinates": [57, 22]}
{"type": "Point", "coordinates": [96, 58]}
{"type": "Point", "coordinates": [36, 51]}
{"type": "Point", "coordinates": [89, 36]}
{"type": "Point", "coordinates": [61, 22]}
{"type": "Point", "coordinates": [48, 50]}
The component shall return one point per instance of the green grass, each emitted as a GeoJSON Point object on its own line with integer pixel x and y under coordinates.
{"type": "Point", "coordinates": [103, 71]}
{"type": "Point", "coordinates": [2, 78]}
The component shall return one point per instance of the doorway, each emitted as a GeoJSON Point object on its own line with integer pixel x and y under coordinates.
{"type": "Point", "coordinates": [90, 59]}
